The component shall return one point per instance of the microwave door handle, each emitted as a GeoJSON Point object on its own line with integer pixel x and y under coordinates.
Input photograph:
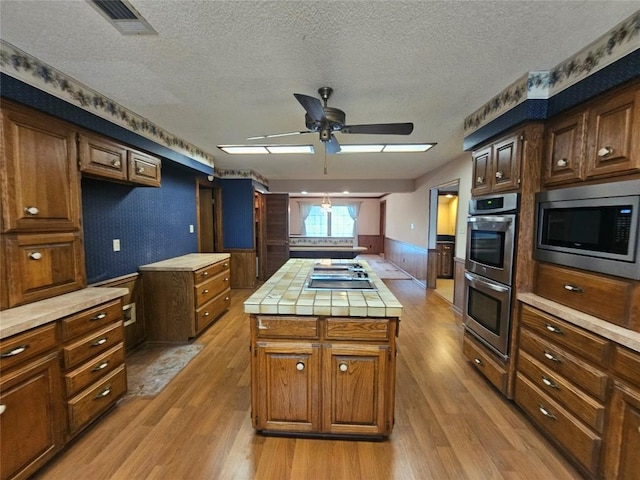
{"type": "Point", "coordinates": [486, 283]}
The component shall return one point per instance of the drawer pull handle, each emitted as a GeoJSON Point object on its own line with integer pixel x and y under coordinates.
{"type": "Point", "coordinates": [204, 274]}
{"type": "Point", "coordinates": [562, 162]}
{"type": "Point", "coordinates": [102, 341]}
{"type": "Point", "coordinates": [14, 352]}
{"type": "Point", "coordinates": [116, 163]}
{"type": "Point", "coordinates": [35, 255]}
{"type": "Point", "coordinates": [546, 412]}
{"type": "Point", "coordinates": [31, 210]}
{"type": "Point", "coordinates": [343, 367]}
{"type": "Point", "coordinates": [226, 279]}
{"type": "Point", "coordinates": [225, 265]}
{"type": "Point", "coordinates": [97, 368]}
{"type": "Point", "coordinates": [205, 291]}
{"type": "Point", "coordinates": [555, 330]}
{"type": "Point", "coordinates": [549, 383]}
{"type": "Point", "coordinates": [480, 180]}
{"type": "Point", "coordinates": [605, 152]}
{"type": "Point", "coordinates": [478, 362]}
{"type": "Point", "coordinates": [573, 288]}
{"type": "Point", "coordinates": [551, 357]}
{"type": "Point", "coordinates": [2, 409]}
{"type": "Point", "coordinates": [205, 314]}
{"type": "Point", "coordinates": [100, 316]}
{"type": "Point", "coordinates": [499, 174]}
{"type": "Point", "coordinates": [226, 299]}
{"type": "Point", "coordinates": [299, 366]}
{"type": "Point", "coordinates": [103, 393]}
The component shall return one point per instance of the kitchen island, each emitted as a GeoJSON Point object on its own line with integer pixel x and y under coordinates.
{"type": "Point", "coordinates": [323, 359]}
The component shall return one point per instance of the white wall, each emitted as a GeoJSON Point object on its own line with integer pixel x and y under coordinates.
{"type": "Point", "coordinates": [405, 209]}
{"type": "Point", "coordinates": [368, 218]}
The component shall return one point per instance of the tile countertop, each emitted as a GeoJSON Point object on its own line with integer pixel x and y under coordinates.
{"type": "Point", "coordinates": [189, 263]}
{"type": "Point", "coordinates": [19, 319]}
{"type": "Point", "coordinates": [284, 294]}
{"type": "Point", "coordinates": [623, 336]}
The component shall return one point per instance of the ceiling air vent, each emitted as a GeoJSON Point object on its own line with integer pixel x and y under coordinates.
{"type": "Point", "coordinates": [123, 16]}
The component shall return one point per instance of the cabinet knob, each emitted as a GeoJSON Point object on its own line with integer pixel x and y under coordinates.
{"type": "Point", "coordinates": [205, 291]}
{"type": "Point", "coordinates": [35, 255]}
{"type": "Point", "coordinates": [480, 180]}
{"type": "Point", "coordinates": [299, 366]}
{"type": "Point", "coordinates": [562, 162]}
{"type": "Point", "coordinates": [139, 169]}
{"type": "Point", "coordinates": [343, 367]}
{"type": "Point", "coordinates": [478, 361]}
{"type": "Point", "coordinates": [31, 210]}
{"type": "Point", "coordinates": [2, 409]}
{"type": "Point", "coordinates": [14, 352]}
{"type": "Point", "coordinates": [499, 174]}
{"type": "Point", "coordinates": [605, 152]}
{"type": "Point", "coordinates": [225, 265]}
{"type": "Point", "coordinates": [573, 288]}
{"type": "Point", "coordinates": [226, 279]}
{"type": "Point", "coordinates": [546, 412]}
{"type": "Point", "coordinates": [206, 314]}
{"type": "Point", "coordinates": [205, 274]}
{"type": "Point", "coordinates": [116, 163]}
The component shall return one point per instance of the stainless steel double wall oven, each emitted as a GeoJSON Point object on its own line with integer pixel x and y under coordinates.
{"type": "Point", "coordinates": [491, 237]}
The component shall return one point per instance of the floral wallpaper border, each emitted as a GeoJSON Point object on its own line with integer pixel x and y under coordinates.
{"type": "Point", "coordinates": [253, 175]}
{"type": "Point", "coordinates": [610, 47]}
{"type": "Point", "coordinates": [22, 66]}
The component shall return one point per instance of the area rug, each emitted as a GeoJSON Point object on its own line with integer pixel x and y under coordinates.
{"type": "Point", "coordinates": [153, 366]}
{"type": "Point", "coordinates": [384, 269]}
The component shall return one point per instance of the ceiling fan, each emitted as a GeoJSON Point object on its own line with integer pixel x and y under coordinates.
{"type": "Point", "coordinates": [326, 120]}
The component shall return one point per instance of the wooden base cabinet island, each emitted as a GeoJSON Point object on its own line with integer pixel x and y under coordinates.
{"type": "Point", "coordinates": [323, 359]}
{"type": "Point", "coordinates": [184, 295]}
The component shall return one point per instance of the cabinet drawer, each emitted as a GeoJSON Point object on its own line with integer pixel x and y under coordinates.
{"type": "Point", "coordinates": [91, 319]}
{"type": "Point", "coordinates": [211, 288]}
{"type": "Point", "coordinates": [94, 370]}
{"type": "Point", "coordinates": [91, 402]}
{"type": "Point", "coordinates": [626, 363]}
{"type": "Point", "coordinates": [557, 387]}
{"type": "Point", "coordinates": [24, 346]}
{"type": "Point", "coordinates": [40, 266]}
{"type": "Point", "coordinates": [92, 345]}
{"type": "Point", "coordinates": [588, 345]}
{"type": "Point", "coordinates": [365, 329]}
{"type": "Point", "coordinates": [583, 444]}
{"type": "Point", "coordinates": [212, 310]}
{"type": "Point", "coordinates": [209, 271]}
{"type": "Point", "coordinates": [295, 327]}
{"type": "Point", "coordinates": [144, 169]}
{"type": "Point", "coordinates": [603, 297]}
{"type": "Point", "coordinates": [579, 372]}
{"type": "Point", "coordinates": [484, 362]}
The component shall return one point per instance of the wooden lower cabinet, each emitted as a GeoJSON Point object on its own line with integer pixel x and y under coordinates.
{"type": "Point", "coordinates": [323, 375]}
{"type": "Point", "coordinates": [32, 417]}
{"type": "Point", "coordinates": [623, 439]}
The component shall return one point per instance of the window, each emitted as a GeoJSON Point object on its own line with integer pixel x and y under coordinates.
{"type": "Point", "coordinates": [336, 223]}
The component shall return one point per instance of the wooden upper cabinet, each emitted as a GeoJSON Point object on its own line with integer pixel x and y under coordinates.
{"type": "Point", "coordinates": [496, 167]}
{"type": "Point", "coordinates": [564, 149]}
{"type": "Point", "coordinates": [613, 145]}
{"type": "Point", "coordinates": [106, 159]}
{"type": "Point", "coordinates": [39, 174]}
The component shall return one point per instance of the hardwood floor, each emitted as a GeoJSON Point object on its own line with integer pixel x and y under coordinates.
{"type": "Point", "coordinates": [450, 423]}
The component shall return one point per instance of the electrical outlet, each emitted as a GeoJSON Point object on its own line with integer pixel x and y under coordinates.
{"type": "Point", "coordinates": [191, 229]}
{"type": "Point", "coordinates": [116, 244]}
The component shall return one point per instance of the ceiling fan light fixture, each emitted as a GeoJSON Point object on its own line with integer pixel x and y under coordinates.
{"type": "Point", "coordinates": [326, 203]}
{"type": "Point", "coordinates": [407, 147]}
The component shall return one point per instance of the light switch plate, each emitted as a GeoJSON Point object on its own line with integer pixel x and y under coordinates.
{"type": "Point", "coordinates": [116, 244]}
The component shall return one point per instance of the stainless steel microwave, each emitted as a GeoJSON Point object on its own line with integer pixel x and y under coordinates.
{"type": "Point", "coordinates": [591, 227]}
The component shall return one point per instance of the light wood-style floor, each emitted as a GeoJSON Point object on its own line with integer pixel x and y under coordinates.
{"type": "Point", "coordinates": [450, 424]}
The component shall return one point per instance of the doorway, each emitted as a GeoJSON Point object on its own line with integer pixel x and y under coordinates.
{"type": "Point", "coordinates": [209, 217]}
{"type": "Point", "coordinates": [443, 219]}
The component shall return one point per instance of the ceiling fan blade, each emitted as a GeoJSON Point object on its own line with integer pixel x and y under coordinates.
{"type": "Point", "coordinates": [380, 128]}
{"type": "Point", "coordinates": [274, 135]}
{"type": "Point", "coordinates": [332, 146]}
{"type": "Point", "coordinates": [312, 105]}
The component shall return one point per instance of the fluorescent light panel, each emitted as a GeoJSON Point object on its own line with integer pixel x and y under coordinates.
{"type": "Point", "coordinates": [407, 147]}
{"type": "Point", "coordinates": [308, 149]}
{"type": "Point", "coordinates": [290, 149]}
{"type": "Point", "coordinates": [265, 149]}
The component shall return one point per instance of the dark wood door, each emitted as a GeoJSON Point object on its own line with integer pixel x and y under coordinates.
{"type": "Point", "coordinates": [276, 230]}
{"type": "Point", "coordinates": [205, 220]}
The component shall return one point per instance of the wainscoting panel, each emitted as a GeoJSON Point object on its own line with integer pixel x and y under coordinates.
{"type": "Point", "coordinates": [374, 243]}
{"type": "Point", "coordinates": [243, 268]}
{"type": "Point", "coordinates": [407, 257]}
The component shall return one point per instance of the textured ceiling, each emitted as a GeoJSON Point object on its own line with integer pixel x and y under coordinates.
{"type": "Point", "coordinates": [221, 71]}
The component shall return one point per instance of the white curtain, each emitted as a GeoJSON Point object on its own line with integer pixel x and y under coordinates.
{"type": "Point", "coordinates": [354, 209]}
{"type": "Point", "coordinates": [305, 210]}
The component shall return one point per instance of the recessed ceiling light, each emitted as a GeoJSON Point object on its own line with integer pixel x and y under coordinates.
{"type": "Point", "coordinates": [407, 147]}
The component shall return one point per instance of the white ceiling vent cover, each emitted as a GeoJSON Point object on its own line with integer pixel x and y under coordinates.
{"type": "Point", "coordinates": [122, 15]}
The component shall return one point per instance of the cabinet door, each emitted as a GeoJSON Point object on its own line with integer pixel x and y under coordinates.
{"type": "Point", "coordinates": [102, 158]}
{"type": "Point", "coordinates": [621, 459]}
{"type": "Point", "coordinates": [481, 183]}
{"type": "Point", "coordinates": [286, 397]}
{"type": "Point", "coordinates": [564, 149]}
{"type": "Point", "coordinates": [276, 241]}
{"type": "Point", "coordinates": [506, 164]}
{"type": "Point", "coordinates": [355, 386]}
{"type": "Point", "coordinates": [614, 136]}
{"type": "Point", "coordinates": [39, 174]}
{"type": "Point", "coordinates": [31, 417]}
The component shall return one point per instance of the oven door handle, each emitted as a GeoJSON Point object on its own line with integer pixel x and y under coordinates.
{"type": "Point", "coordinates": [475, 280]}
{"type": "Point", "coordinates": [498, 224]}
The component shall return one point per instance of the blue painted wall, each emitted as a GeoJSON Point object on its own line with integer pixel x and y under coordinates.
{"type": "Point", "coordinates": [151, 223]}
{"type": "Point", "coordinates": [237, 213]}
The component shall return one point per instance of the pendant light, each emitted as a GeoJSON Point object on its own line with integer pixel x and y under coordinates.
{"type": "Point", "coordinates": [326, 203]}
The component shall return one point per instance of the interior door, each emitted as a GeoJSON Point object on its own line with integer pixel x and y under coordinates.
{"type": "Point", "coordinates": [205, 220]}
{"type": "Point", "coordinates": [276, 229]}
